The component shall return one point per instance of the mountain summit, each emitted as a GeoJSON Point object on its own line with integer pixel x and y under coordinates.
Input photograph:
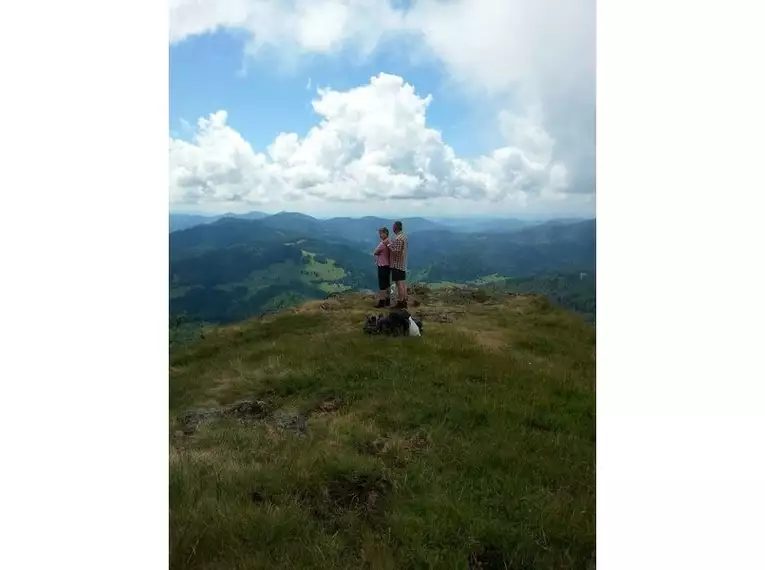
{"type": "Point", "coordinates": [297, 441]}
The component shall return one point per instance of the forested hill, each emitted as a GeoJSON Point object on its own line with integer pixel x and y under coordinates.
{"type": "Point", "coordinates": [232, 268]}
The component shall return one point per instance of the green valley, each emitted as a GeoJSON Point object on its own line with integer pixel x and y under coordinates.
{"type": "Point", "coordinates": [233, 268]}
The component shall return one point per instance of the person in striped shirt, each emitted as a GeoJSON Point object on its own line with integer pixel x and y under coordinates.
{"type": "Point", "coordinates": [398, 247]}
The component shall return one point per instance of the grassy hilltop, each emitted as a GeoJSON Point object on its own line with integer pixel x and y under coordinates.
{"type": "Point", "coordinates": [299, 442]}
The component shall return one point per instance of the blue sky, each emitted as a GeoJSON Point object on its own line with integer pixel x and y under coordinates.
{"type": "Point", "coordinates": [508, 128]}
{"type": "Point", "coordinates": [210, 72]}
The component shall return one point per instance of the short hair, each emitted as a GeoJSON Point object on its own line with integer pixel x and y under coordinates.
{"type": "Point", "coordinates": [398, 224]}
{"type": "Point", "coordinates": [384, 230]}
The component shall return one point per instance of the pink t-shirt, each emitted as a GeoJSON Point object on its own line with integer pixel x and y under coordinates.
{"type": "Point", "coordinates": [383, 259]}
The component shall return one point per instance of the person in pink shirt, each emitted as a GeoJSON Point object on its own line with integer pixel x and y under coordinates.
{"type": "Point", "coordinates": [382, 258]}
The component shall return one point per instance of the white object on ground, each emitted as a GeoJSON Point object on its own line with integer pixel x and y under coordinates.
{"type": "Point", "coordinates": [414, 330]}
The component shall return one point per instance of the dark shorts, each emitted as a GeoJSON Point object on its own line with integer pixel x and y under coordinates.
{"type": "Point", "coordinates": [397, 275]}
{"type": "Point", "coordinates": [383, 277]}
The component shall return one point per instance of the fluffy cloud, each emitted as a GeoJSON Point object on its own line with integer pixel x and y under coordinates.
{"type": "Point", "coordinates": [372, 143]}
{"type": "Point", "coordinates": [315, 26]}
{"type": "Point", "coordinates": [538, 52]}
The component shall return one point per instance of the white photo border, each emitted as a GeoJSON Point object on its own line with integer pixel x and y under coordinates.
{"type": "Point", "coordinates": [84, 477]}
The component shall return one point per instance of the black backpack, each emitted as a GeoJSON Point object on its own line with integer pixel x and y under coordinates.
{"type": "Point", "coordinates": [396, 323]}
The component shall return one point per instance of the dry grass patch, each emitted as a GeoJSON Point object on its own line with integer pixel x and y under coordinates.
{"type": "Point", "coordinates": [317, 306]}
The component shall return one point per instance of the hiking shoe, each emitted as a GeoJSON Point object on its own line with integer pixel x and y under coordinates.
{"type": "Point", "coordinates": [401, 305]}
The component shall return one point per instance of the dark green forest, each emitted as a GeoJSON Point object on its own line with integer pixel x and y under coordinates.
{"type": "Point", "coordinates": [232, 268]}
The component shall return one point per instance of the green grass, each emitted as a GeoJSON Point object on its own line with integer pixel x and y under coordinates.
{"type": "Point", "coordinates": [443, 284]}
{"type": "Point", "coordinates": [322, 275]}
{"type": "Point", "coordinates": [475, 442]}
{"type": "Point", "coordinates": [321, 271]}
{"type": "Point", "coordinates": [489, 279]}
{"type": "Point", "coordinates": [486, 280]}
{"type": "Point", "coordinates": [333, 287]}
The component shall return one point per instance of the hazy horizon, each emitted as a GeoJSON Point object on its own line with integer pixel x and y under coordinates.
{"type": "Point", "coordinates": [447, 216]}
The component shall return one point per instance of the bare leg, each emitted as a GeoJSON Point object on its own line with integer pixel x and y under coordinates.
{"type": "Point", "coordinates": [401, 288]}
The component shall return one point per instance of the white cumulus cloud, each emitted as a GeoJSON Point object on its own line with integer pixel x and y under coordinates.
{"type": "Point", "coordinates": [372, 143]}
{"type": "Point", "coordinates": [527, 53]}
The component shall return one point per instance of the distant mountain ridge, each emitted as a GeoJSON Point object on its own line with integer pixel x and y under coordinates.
{"type": "Point", "coordinates": [186, 221]}
{"type": "Point", "coordinates": [361, 228]}
{"type": "Point", "coordinates": [231, 268]}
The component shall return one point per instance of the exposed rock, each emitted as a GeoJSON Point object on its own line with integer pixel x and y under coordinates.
{"type": "Point", "coordinates": [419, 289]}
{"type": "Point", "coordinates": [242, 410]}
{"type": "Point", "coordinates": [247, 409]}
{"type": "Point", "coordinates": [329, 406]}
{"type": "Point", "coordinates": [191, 420]}
{"type": "Point", "coordinates": [393, 294]}
{"type": "Point", "coordinates": [291, 420]}
{"type": "Point", "coordinates": [464, 295]}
